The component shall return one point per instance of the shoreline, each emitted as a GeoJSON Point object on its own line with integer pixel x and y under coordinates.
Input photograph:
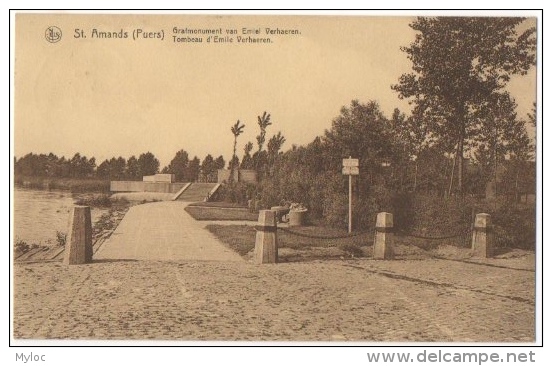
{"type": "Point", "coordinates": [101, 231]}
{"type": "Point", "coordinates": [74, 185]}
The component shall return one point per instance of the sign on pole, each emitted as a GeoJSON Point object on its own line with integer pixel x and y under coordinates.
{"type": "Point", "coordinates": [350, 168]}
{"type": "Point", "coordinates": [350, 162]}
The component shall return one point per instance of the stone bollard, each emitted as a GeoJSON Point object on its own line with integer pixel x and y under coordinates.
{"type": "Point", "coordinates": [266, 240]}
{"type": "Point", "coordinates": [482, 236]}
{"type": "Point", "coordinates": [383, 240]}
{"type": "Point", "coordinates": [78, 247]}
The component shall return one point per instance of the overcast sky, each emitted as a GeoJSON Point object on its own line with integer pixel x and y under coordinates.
{"type": "Point", "coordinates": [120, 97]}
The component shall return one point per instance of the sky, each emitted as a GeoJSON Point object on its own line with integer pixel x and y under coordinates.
{"type": "Point", "coordinates": [107, 97]}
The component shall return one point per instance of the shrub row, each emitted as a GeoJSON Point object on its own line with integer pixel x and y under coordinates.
{"type": "Point", "coordinates": [417, 214]}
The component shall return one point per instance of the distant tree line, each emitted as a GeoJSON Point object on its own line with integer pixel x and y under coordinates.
{"type": "Point", "coordinates": [133, 168]}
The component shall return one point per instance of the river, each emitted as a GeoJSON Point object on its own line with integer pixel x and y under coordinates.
{"type": "Point", "coordinates": [39, 214]}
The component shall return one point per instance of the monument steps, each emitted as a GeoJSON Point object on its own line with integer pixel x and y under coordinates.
{"type": "Point", "coordinates": [196, 192]}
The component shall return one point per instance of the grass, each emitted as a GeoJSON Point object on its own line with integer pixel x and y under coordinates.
{"type": "Point", "coordinates": [241, 239]}
{"type": "Point", "coordinates": [109, 220]}
{"type": "Point", "coordinates": [101, 200]}
{"type": "Point", "coordinates": [23, 247]}
{"type": "Point", "coordinates": [217, 204]}
{"type": "Point", "coordinates": [202, 213]}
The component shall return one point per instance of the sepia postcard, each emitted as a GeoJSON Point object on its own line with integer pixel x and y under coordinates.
{"type": "Point", "coordinates": [357, 178]}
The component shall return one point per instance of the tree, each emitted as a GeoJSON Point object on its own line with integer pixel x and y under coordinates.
{"type": "Point", "coordinates": [148, 164]}
{"type": "Point", "coordinates": [260, 158]}
{"type": "Point", "coordinates": [521, 154]}
{"type": "Point", "coordinates": [263, 123]}
{"type": "Point", "coordinates": [178, 166]}
{"type": "Point", "coordinates": [236, 131]}
{"type": "Point", "coordinates": [234, 162]}
{"type": "Point", "coordinates": [408, 144]}
{"type": "Point", "coordinates": [119, 168]}
{"type": "Point", "coordinates": [112, 169]}
{"type": "Point", "coordinates": [133, 169]}
{"type": "Point", "coordinates": [274, 145]}
{"type": "Point", "coordinates": [81, 167]}
{"type": "Point", "coordinates": [31, 165]}
{"type": "Point", "coordinates": [192, 170]}
{"type": "Point", "coordinates": [52, 165]}
{"type": "Point", "coordinates": [208, 169]}
{"type": "Point", "coordinates": [64, 167]}
{"type": "Point", "coordinates": [75, 165]}
{"type": "Point", "coordinates": [104, 169]}
{"type": "Point", "coordinates": [363, 132]}
{"type": "Point", "coordinates": [219, 162]}
{"type": "Point", "coordinates": [503, 136]}
{"type": "Point", "coordinates": [461, 64]}
{"type": "Point", "coordinates": [532, 117]}
{"type": "Point", "coordinates": [247, 160]}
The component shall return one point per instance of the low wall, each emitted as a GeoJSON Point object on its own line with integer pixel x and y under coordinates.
{"type": "Point", "coordinates": [247, 176]}
{"type": "Point", "coordinates": [159, 178]}
{"type": "Point", "coordinates": [136, 186]}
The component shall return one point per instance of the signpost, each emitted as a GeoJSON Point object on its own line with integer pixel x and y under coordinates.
{"type": "Point", "coordinates": [350, 168]}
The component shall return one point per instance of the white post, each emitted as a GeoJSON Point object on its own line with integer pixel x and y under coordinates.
{"type": "Point", "coordinates": [482, 236]}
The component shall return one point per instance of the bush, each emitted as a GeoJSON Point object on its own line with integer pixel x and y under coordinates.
{"type": "Point", "coordinates": [365, 208]}
{"type": "Point", "coordinates": [23, 247]}
{"type": "Point", "coordinates": [335, 210]}
{"type": "Point", "coordinates": [432, 216]}
{"type": "Point", "coordinates": [101, 200]}
{"type": "Point", "coordinates": [270, 194]}
{"type": "Point", "coordinates": [435, 216]}
{"type": "Point", "coordinates": [514, 226]}
{"type": "Point", "coordinates": [236, 192]}
{"type": "Point", "coordinates": [61, 238]}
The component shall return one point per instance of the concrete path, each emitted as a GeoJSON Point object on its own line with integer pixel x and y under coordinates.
{"type": "Point", "coordinates": [163, 231]}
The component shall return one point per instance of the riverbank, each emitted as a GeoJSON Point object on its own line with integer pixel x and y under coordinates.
{"type": "Point", "coordinates": [51, 250]}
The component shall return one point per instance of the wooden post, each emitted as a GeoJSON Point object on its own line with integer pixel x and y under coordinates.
{"type": "Point", "coordinates": [78, 247]}
{"type": "Point", "coordinates": [350, 167]}
{"type": "Point", "coordinates": [350, 203]}
{"type": "Point", "coordinates": [266, 239]}
{"type": "Point", "coordinates": [383, 240]}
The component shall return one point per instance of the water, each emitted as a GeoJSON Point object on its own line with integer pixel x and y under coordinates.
{"type": "Point", "coordinates": [39, 214]}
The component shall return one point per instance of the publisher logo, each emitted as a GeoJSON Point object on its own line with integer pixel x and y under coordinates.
{"type": "Point", "coordinates": [53, 34]}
